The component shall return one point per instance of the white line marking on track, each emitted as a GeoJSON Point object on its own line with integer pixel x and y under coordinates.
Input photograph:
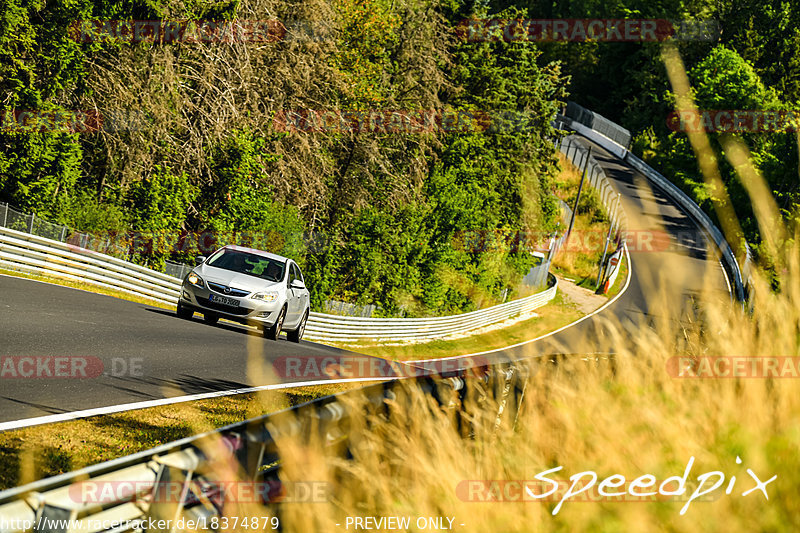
{"type": "Point", "coordinates": [727, 281]}
{"type": "Point", "coordinates": [112, 409]}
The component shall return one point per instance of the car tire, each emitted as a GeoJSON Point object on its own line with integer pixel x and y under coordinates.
{"type": "Point", "coordinates": [210, 319]}
{"type": "Point", "coordinates": [184, 312]}
{"type": "Point", "coordinates": [297, 334]}
{"type": "Point", "coordinates": [275, 331]}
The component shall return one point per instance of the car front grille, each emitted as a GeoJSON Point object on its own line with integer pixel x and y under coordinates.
{"type": "Point", "coordinates": [216, 287]}
{"type": "Point", "coordinates": [226, 308]}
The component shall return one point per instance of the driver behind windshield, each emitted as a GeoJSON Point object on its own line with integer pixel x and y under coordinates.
{"type": "Point", "coordinates": [239, 264]}
{"type": "Point", "coordinates": [249, 264]}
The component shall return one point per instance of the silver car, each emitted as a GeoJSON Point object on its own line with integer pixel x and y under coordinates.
{"type": "Point", "coordinates": [249, 286]}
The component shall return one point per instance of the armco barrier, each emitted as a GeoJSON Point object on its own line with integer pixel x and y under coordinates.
{"type": "Point", "coordinates": [597, 123]}
{"type": "Point", "coordinates": [581, 157]}
{"type": "Point", "coordinates": [187, 479]}
{"type": "Point", "coordinates": [729, 262]}
{"type": "Point", "coordinates": [38, 255]}
{"type": "Point", "coordinates": [330, 327]}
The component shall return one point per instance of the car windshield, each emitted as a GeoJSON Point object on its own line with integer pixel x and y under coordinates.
{"type": "Point", "coordinates": [250, 264]}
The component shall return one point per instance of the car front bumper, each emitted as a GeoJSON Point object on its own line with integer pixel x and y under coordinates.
{"type": "Point", "coordinates": [248, 311]}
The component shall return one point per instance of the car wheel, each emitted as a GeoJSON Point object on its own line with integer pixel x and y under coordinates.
{"type": "Point", "coordinates": [184, 312]}
{"type": "Point", "coordinates": [275, 331]}
{"type": "Point", "coordinates": [210, 319]}
{"type": "Point", "coordinates": [297, 334]}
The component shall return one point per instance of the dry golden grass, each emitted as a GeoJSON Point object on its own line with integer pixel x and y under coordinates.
{"type": "Point", "coordinates": [42, 451]}
{"type": "Point", "coordinates": [625, 415]}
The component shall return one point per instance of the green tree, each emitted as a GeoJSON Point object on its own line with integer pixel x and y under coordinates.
{"type": "Point", "coordinates": [238, 201]}
{"type": "Point", "coordinates": [157, 207]}
{"type": "Point", "coordinates": [38, 170]}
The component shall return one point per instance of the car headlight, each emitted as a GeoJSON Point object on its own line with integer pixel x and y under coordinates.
{"type": "Point", "coordinates": [195, 280]}
{"type": "Point", "coordinates": [270, 296]}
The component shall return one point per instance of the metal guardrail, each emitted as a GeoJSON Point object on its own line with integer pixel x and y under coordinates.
{"type": "Point", "coordinates": [37, 255]}
{"type": "Point", "coordinates": [598, 123]}
{"type": "Point", "coordinates": [187, 479]}
{"type": "Point", "coordinates": [329, 327]}
{"type": "Point", "coordinates": [582, 158]}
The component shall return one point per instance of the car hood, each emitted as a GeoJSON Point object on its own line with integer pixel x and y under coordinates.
{"type": "Point", "coordinates": [235, 279]}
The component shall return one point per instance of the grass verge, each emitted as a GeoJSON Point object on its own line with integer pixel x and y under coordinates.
{"type": "Point", "coordinates": [48, 450]}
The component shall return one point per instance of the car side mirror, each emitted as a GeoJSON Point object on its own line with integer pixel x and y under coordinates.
{"type": "Point", "coordinates": [199, 259]}
{"type": "Point", "coordinates": [297, 284]}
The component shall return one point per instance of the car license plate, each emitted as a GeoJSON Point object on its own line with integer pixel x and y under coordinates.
{"type": "Point", "coordinates": [224, 300]}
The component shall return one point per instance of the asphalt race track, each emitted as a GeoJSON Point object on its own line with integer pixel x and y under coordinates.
{"type": "Point", "coordinates": [144, 352]}
{"type": "Point", "coordinates": [137, 352]}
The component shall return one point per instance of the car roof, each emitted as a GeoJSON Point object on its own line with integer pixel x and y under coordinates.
{"type": "Point", "coordinates": [256, 252]}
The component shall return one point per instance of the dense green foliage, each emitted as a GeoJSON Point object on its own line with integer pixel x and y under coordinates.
{"type": "Point", "coordinates": [753, 63]}
{"type": "Point", "coordinates": [188, 143]}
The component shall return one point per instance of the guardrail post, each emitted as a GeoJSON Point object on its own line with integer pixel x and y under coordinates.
{"type": "Point", "coordinates": [5, 217]}
{"type": "Point", "coordinates": [30, 226]}
{"type": "Point", "coordinates": [578, 198]}
{"type": "Point", "coordinates": [603, 260]}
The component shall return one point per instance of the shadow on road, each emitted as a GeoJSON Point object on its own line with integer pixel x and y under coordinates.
{"type": "Point", "coordinates": [222, 325]}
{"type": "Point", "coordinates": [181, 385]}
